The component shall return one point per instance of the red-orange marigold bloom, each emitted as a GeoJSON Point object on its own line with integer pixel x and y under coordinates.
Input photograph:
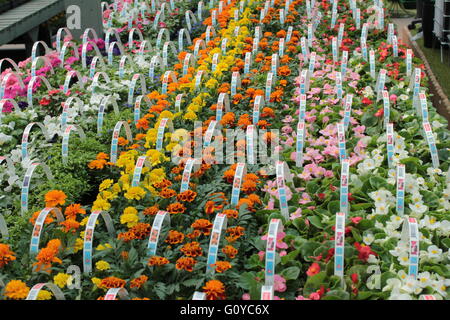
{"type": "Point", "coordinates": [222, 266]}
{"type": "Point", "coordinates": [202, 225]}
{"type": "Point", "coordinates": [6, 255]}
{"type": "Point", "coordinates": [185, 263]}
{"type": "Point", "coordinates": [176, 208]}
{"type": "Point", "coordinates": [174, 237]}
{"type": "Point", "coordinates": [138, 282]}
{"type": "Point", "coordinates": [192, 249]}
{"type": "Point", "coordinates": [151, 211]}
{"type": "Point", "coordinates": [112, 282]}
{"type": "Point", "coordinates": [215, 290]}
{"type": "Point", "coordinates": [157, 261]}
{"type": "Point", "coordinates": [230, 251]}
{"type": "Point", "coordinates": [187, 196]}
{"type": "Point", "coordinates": [54, 198]}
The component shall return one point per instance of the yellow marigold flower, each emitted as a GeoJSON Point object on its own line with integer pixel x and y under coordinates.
{"type": "Point", "coordinates": [166, 114]}
{"type": "Point", "coordinates": [135, 193]}
{"type": "Point", "coordinates": [96, 281]}
{"type": "Point", "coordinates": [16, 289]}
{"type": "Point", "coordinates": [116, 188]}
{"type": "Point", "coordinates": [102, 265]}
{"type": "Point", "coordinates": [101, 204]}
{"type": "Point", "coordinates": [78, 244]}
{"type": "Point", "coordinates": [44, 295]}
{"type": "Point", "coordinates": [155, 157]}
{"type": "Point", "coordinates": [106, 184]}
{"type": "Point", "coordinates": [107, 195]}
{"type": "Point", "coordinates": [105, 246]}
{"type": "Point", "coordinates": [151, 136]}
{"type": "Point", "coordinates": [190, 116]}
{"type": "Point", "coordinates": [61, 279]}
{"type": "Point", "coordinates": [211, 83]}
{"type": "Point", "coordinates": [156, 175]}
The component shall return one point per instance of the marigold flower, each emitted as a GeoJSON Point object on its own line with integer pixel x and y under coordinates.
{"type": "Point", "coordinates": [47, 256]}
{"type": "Point", "coordinates": [167, 193]}
{"type": "Point", "coordinates": [234, 233]}
{"type": "Point", "coordinates": [192, 249]}
{"type": "Point", "coordinates": [138, 282]}
{"type": "Point", "coordinates": [174, 237]}
{"type": "Point", "coordinates": [44, 295]}
{"type": "Point", "coordinates": [112, 282]}
{"type": "Point", "coordinates": [215, 290]}
{"type": "Point", "coordinates": [227, 119]}
{"type": "Point", "coordinates": [187, 196]}
{"type": "Point", "coordinates": [6, 255]}
{"type": "Point", "coordinates": [203, 225]}
{"type": "Point", "coordinates": [74, 209]}
{"type": "Point", "coordinates": [102, 265]}
{"type": "Point", "coordinates": [176, 208]}
{"type": "Point", "coordinates": [151, 211]}
{"type": "Point", "coordinates": [230, 251]}
{"type": "Point", "coordinates": [231, 214]}
{"type": "Point", "coordinates": [61, 279]}
{"type": "Point", "coordinates": [70, 225]}
{"type": "Point", "coordinates": [185, 263]}
{"type": "Point", "coordinates": [248, 186]}
{"type": "Point", "coordinates": [54, 198]}
{"type": "Point", "coordinates": [222, 266]}
{"type": "Point", "coordinates": [16, 289]}
{"type": "Point", "coordinates": [97, 164]}
{"type": "Point", "coordinates": [102, 156]}
{"type": "Point", "coordinates": [48, 219]}
{"type": "Point", "coordinates": [135, 193]}
{"type": "Point", "coordinates": [157, 261]}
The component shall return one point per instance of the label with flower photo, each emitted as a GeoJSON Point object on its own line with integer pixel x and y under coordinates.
{"type": "Point", "coordinates": [341, 141]}
{"type": "Point", "coordinates": [345, 175]}
{"type": "Point", "coordinates": [400, 189]}
{"type": "Point", "coordinates": [390, 144]}
{"type": "Point", "coordinates": [220, 224]}
{"type": "Point", "coordinates": [237, 182]}
{"type": "Point", "coordinates": [39, 225]}
{"type": "Point", "coordinates": [283, 173]}
{"type": "Point", "coordinates": [301, 131]}
{"type": "Point", "coordinates": [431, 144]}
{"type": "Point", "coordinates": [162, 217]}
{"type": "Point", "coordinates": [275, 227]}
{"type": "Point", "coordinates": [190, 163]}
{"type": "Point", "coordinates": [347, 109]}
{"type": "Point", "coordinates": [410, 235]}
{"type": "Point", "coordinates": [140, 162]}
{"type": "Point", "coordinates": [339, 242]}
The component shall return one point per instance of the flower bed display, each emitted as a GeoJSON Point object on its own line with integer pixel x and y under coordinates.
{"type": "Point", "coordinates": [118, 189]}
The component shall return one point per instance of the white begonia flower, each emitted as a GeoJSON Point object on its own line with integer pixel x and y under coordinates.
{"type": "Point", "coordinates": [434, 171]}
{"type": "Point", "coordinates": [403, 97]}
{"type": "Point", "coordinates": [439, 286]}
{"type": "Point", "coordinates": [429, 222]}
{"type": "Point", "coordinates": [424, 279]}
{"type": "Point", "coordinates": [399, 296]}
{"type": "Point", "coordinates": [402, 275]}
{"type": "Point", "coordinates": [368, 238]}
{"type": "Point", "coordinates": [411, 285]}
{"type": "Point", "coordinates": [436, 124]}
{"type": "Point", "coordinates": [403, 259]}
{"type": "Point", "coordinates": [392, 176]}
{"type": "Point", "coordinates": [444, 227]}
{"type": "Point", "coordinates": [368, 92]}
{"type": "Point", "coordinates": [4, 138]}
{"type": "Point", "coordinates": [416, 197]}
{"type": "Point", "coordinates": [418, 208]}
{"type": "Point", "coordinates": [434, 252]}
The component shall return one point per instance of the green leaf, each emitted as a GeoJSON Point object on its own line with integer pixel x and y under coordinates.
{"type": "Point", "coordinates": [312, 187]}
{"type": "Point", "coordinates": [290, 273]}
{"type": "Point", "coordinates": [377, 182]}
{"type": "Point", "coordinates": [315, 221]}
{"type": "Point", "coordinates": [290, 256]}
{"type": "Point", "coordinates": [337, 294]}
{"type": "Point", "coordinates": [314, 282]}
{"type": "Point", "coordinates": [369, 119]}
{"type": "Point", "coordinates": [334, 206]}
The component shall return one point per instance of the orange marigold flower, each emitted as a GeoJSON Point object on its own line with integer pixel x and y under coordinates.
{"type": "Point", "coordinates": [231, 214]}
{"type": "Point", "coordinates": [187, 196]}
{"type": "Point", "coordinates": [70, 225]}
{"type": "Point", "coordinates": [192, 249]}
{"type": "Point", "coordinates": [126, 236]}
{"type": "Point", "coordinates": [202, 225]}
{"type": "Point", "coordinates": [54, 198]}
{"type": "Point", "coordinates": [254, 198]}
{"type": "Point", "coordinates": [142, 124]}
{"type": "Point", "coordinates": [138, 282]}
{"type": "Point", "coordinates": [267, 112]}
{"type": "Point", "coordinates": [122, 141]}
{"type": "Point", "coordinates": [248, 186]}
{"type": "Point", "coordinates": [157, 261]}
{"type": "Point", "coordinates": [124, 255]}
{"type": "Point", "coordinates": [47, 256]}
{"type": "Point", "coordinates": [175, 237]}
{"type": "Point", "coordinates": [245, 201]}
{"type": "Point", "coordinates": [176, 208]}
{"type": "Point", "coordinates": [6, 255]}
{"type": "Point", "coordinates": [227, 119]}
{"type": "Point", "coordinates": [228, 175]}
{"type": "Point", "coordinates": [141, 230]}
{"type": "Point", "coordinates": [97, 164]}
{"type": "Point", "coordinates": [167, 193]}
{"type": "Point", "coordinates": [163, 184]}
{"type": "Point", "coordinates": [194, 234]}
{"type": "Point", "coordinates": [72, 211]}
{"type": "Point", "coordinates": [215, 290]}
{"type": "Point", "coordinates": [151, 211]}
{"type": "Point", "coordinates": [235, 233]}
{"type": "Point", "coordinates": [102, 156]}
{"type": "Point", "coordinates": [16, 289]}
{"type": "Point", "coordinates": [222, 266]}
{"type": "Point", "coordinates": [185, 263]}
{"type": "Point", "coordinates": [112, 282]}
{"type": "Point", "coordinates": [230, 251]}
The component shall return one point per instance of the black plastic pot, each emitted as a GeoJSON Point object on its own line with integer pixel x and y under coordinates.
{"type": "Point", "coordinates": [428, 23]}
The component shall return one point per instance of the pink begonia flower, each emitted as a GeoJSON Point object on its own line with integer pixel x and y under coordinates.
{"type": "Point", "coordinates": [331, 150]}
{"type": "Point", "coordinates": [305, 175]}
{"type": "Point", "coordinates": [279, 283]}
{"type": "Point", "coordinates": [289, 141]}
{"type": "Point", "coordinates": [325, 119]}
{"type": "Point", "coordinates": [314, 296]}
{"type": "Point", "coordinates": [309, 117]}
{"type": "Point", "coordinates": [314, 91]}
{"type": "Point", "coordinates": [312, 154]}
{"type": "Point", "coordinates": [328, 89]}
{"type": "Point", "coordinates": [283, 253]}
{"type": "Point", "coordinates": [107, 13]}
{"type": "Point", "coordinates": [301, 298]}
{"type": "Point", "coordinates": [286, 129]}
{"type": "Point", "coordinates": [326, 110]}
{"type": "Point", "coordinates": [354, 76]}
{"type": "Point", "coordinates": [353, 84]}
{"type": "Point", "coordinates": [270, 204]}
{"type": "Point", "coordinates": [328, 174]}
{"type": "Point", "coordinates": [296, 214]}
{"type": "Point", "coordinates": [305, 198]}
{"type": "Point", "coordinates": [261, 255]}
{"type": "Point", "coordinates": [276, 298]}
{"type": "Point", "coordinates": [357, 111]}
{"type": "Point", "coordinates": [288, 119]}
{"type": "Point", "coordinates": [280, 237]}
{"type": "Point", "coordinates": [393, 98]}
{"type": "Point", "coordinates": [354, 159]}
{"type": "Point", "coordinates": [23, 64]}
{"type": "Point", "coordinates": [245, 296]}
{"type": "Point", "coordinates": [162, 25]}
{"type": "Point", "coordinates": [330, 130]}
